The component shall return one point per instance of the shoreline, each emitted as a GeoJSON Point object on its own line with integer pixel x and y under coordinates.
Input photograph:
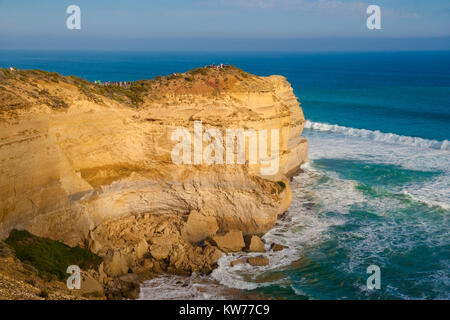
{"type": "Point", "coordinates": [194, 287]}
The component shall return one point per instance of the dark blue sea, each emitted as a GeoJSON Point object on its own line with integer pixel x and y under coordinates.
{"type": "Point", "coordinates": [376, 190]}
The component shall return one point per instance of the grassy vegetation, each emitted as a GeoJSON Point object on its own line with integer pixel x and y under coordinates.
{"type": "Point", "coordinates": [52, 101]}
{"type": "Point", "coordinates": [203, 71]}
{"type": "Point", "coordinates": [51, 258]}
{"type": "Point", "coordinates": [132, 95]}
{"type": "Point", "coordinates": [26, 75]}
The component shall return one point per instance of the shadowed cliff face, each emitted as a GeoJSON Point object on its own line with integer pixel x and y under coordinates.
{"type": "Point", "coordinates": [76, 157]}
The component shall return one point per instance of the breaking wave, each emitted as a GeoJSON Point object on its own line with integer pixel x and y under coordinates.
{"type": "Point", "coordinates": [379, 136]}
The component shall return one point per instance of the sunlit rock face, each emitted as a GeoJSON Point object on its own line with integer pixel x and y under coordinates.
{"type": "Point", "coordinates": [76, 157]}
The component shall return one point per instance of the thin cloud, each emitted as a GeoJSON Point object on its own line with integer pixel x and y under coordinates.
{"type": "Point", "coordinates": [324, 6]}
{"type": "Point", "coordinates": [305, 5]}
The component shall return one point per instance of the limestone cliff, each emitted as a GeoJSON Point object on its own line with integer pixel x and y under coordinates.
{"type": "Point", "coordinates": [91, 165]}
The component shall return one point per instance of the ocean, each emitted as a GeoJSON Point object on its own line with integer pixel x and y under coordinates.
{"type": "Point", "coordinates": [376, 190]}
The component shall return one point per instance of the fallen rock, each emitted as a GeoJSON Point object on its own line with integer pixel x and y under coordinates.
{"type": "Point", "coordinates": [212, 254]}
{"type": "Point", "coordinates": [159, 266]}
{"type": "Point", "coordinates": [103, 277]}
{"type": "Point", "coordinates": [129, 285]}
{"type": "Point", "coordinates": [199, 226]}
{"type": "Point", "coordinates": [115, 264]}
{"type": "Point", "coordinates": [95, 246]}
{"type": "Point", "coordinates": [141, 249]}
{"type": "Point", "coordinates": [160, 251]}
{"type": "Point", "coordinates": [255, 244]}
{"type": "Point", "coordinates": [5, 250]}
{"type": "Point", "coordinates": [178, 272]}
{"type": "Point", "coordinates": [114, 294]}
{"type": "Point", "coordinates": [232, 241]}
{"type": "Point", "coordinates": [258, 261]}
{"type": "Point", "coordinates": [238, 261]}
{"type": "Point", "coordinates": [90, 286]}
{"type": "Point", "coordinates": [147, 264]}
{"type": "Point", "coordinates": [277, 247]}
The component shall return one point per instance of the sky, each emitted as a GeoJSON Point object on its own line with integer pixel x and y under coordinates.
{"type": "Point", "coordinates": [218, 25]}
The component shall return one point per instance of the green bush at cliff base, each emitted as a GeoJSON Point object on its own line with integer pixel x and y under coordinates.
{"type": "Point", "coordinates": [51, 258]}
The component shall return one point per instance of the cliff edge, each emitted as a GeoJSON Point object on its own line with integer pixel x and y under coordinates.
{"type": "Point", "coordinates": [96, 165]}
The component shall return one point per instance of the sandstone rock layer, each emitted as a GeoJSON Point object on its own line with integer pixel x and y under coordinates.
{"type": "Point", "coordinates": [84, 166]}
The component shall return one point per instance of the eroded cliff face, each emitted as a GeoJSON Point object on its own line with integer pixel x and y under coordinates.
{"type": "Point", "coordinates": [92, 165]}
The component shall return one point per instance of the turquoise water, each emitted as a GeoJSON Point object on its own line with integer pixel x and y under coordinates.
{"type": "Point", "coordinates": [376, 189]}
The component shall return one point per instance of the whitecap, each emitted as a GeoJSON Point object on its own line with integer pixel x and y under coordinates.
{"type": "Point", "coordinates": [379, 136]}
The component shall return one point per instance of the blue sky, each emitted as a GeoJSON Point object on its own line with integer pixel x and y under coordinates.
{"type": "Point", "coordinates": [225, 25]}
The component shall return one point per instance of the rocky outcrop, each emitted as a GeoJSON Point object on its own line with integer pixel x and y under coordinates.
{"type": "Point", "coordinates": [277, 247]}
{"type": "Point", "coordinates": [93, 166]}
{"type": "Point", "coordinates": [237, 262]}
{"type": "Point", "coordinates": [200, 226]}
{"type": "Point", "coordinates": [254, 244]}
{"type": "Point", "coordinates": [232, 241]}
{"type": "Point", "coordinates": [90, 286]}
{"type": "Point", "coordinates": [258, 261]}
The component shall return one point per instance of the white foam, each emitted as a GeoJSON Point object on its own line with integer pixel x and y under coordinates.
{"type": "Point", "coordinates": [194, 287]}
{"type": "Point", "coordinates": [428, 202]}
{"type": "Point", "coordinates": [379, 136]}
{"type": "Point", "coordinates": [301, 226]}
{"type": "Point", "coordinates": [434, 191]}
{"type": "Point", "coordinates": [239, 276]}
